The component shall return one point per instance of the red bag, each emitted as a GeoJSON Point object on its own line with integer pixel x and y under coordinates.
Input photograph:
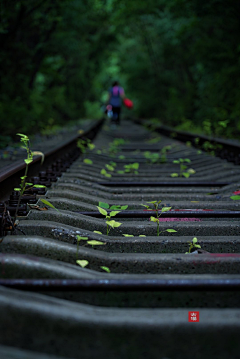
{"type": "Point", "coordinates": [128, 103]}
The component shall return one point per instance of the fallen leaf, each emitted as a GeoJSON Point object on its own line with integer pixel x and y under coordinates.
{"type": "Point", "coordinates": [32, 206]}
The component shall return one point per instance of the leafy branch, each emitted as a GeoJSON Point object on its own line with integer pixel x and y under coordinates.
{"type": "Point", "coordinates": [26, 145]}
{"type": "Point", "coordinates": [183, 168]}
{"type": "Point", "coordinates": [111, 223]}
{"type": "Point", "coordinates": [158, 211]}
{"type": "Point", "coordinates": [193, 245]}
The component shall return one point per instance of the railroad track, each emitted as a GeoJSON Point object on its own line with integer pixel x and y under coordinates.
{"type": "Point", "coordinates": [139, 295]}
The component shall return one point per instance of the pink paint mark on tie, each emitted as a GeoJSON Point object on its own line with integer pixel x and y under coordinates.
{"type": "Point", "coordinates": [236, 255]}
{"type": "Point", "coordinates": [191, 210]}
{"type": "Point", "coordinates": [236, 192]}
{"type": "Point", "coordinates": [181, 210]}
{"type": "Point", "coordinates": [174, 219]}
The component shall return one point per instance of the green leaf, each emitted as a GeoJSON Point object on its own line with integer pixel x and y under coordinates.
{"type": "Point", "coordinates": [171, 230]}
{"type": "Point", "coordinates": [197, 246]}
{"type": "Point", "coordinates": [114, 213]}
{"type": "Point", "coordinates": [103, 205]}
{"type": "Point", "coordinates": [106, 269]}
{"type": "Point", "coordinates": [102, 211]}
{"type": "Point", "coordinates": [186, 174]}
{"type": "Point", "coordinates": [124, 207]}
{"type": "Point", "coordinates": [128, 235]}
{"type": "Point", "coordinates": [121, 157]}
{"type": "Point", "coordinates": [79, 238]}
{"type": "Point", "coordinates": [88, 161]}
{"type": "Point", "coordinates": [109, 167]}
{"type": "Point", "coordinates": [152, 202]}
{"type": "Point", "coordinates": [91, 146]}
{"type": "Point", "coordinates": [98, 232]}
{"type": "Point", "coordinates": [135, 165]}
{"type": "Point", "coordinates": [28, 161]}
{"type": "Point", "coordinates": [113, 224]}
{"type": "Point", "coordinates": [174, 175]}
{"type": "Point", "coordinates": [115, 207]}
{"type": "Point", "coordinates": [194, 240]}
{"type": "Point", "coordinates": [142, 235]}
{"type": "Point", "coordinates": [187, 160]}
{"type": "Point", "coordinates": [99, 152]}
{"type": "Point", "coordinates": [108, 175]}
{"type": "Point", "coordinates": [17, 189]}
{"type": "Point", "coordinates": [22, 135]}
{"type": "Point", "coordinates": [95, 243]}
{"type": "Point", "coordinates": [83, 263]}
{"type": "Point", "coordinates": [103, 171]}
{"type": "Point", "coordinates": [165, 209]}
{"type": "Point", "coordinates": [176, 161]}
{"type": "Point", "coordinates": [154, 219]}
{"type": "Point", "coordinates": [39, 186]}
{"type": "Point", "coordinates": [120, 172]}
{"type": "Point", "coordinates": [191, 171]}
{"type": "Point", "coordinates": [48, 204]}
{"type": "Point", "coordinates": [23, 177]}
{"type": "Point", "coordinates": [39, 153]}
{"type": "Point", "coordinates": [235, 197]}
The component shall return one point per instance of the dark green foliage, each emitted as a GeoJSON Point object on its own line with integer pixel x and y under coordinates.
{"type": "Point", "coordinates": [184, 61]}
{"type": "Point", "coordinates": [51, 52]}
{"type": "Point", "coordinates": [178, 60]}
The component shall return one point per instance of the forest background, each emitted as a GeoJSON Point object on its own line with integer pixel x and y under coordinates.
{"type": "Point", "coordinates": [178, 60]}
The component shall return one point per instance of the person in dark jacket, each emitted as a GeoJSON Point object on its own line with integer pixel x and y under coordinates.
{"type": "Point", "coordinates": [116, 95]}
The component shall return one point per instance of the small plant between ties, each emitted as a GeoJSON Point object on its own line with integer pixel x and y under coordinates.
{"type": "Point", "coordinates": [156, 209]}
{"type": "Point", "coordinates": [110, 167]}
{"type": "Point", "coordinates": [183, 168]}
{"type": "Point", "coordinates": [114, 146]}
{"type": "Point", "coordinates": [26, 185]}
{"type": "Point", "coordinates": [155, 157]}
{"type": "Point", "coordinates": [26, 145]}
{"type": "Point", "coordinates": [132, 168]}
{"type": "Point", "coordinates": [193, 245]}
{"type": "Point", "coordinates": [83, 262]}
{"type": "Point", "coordinates": [152, 157]}
{"type": "Point", "coordinates": [85, 144]}
{"type": "Point", "coordinates": [90, 242]}
{"type": "Point", "coordinates": [111, 223]}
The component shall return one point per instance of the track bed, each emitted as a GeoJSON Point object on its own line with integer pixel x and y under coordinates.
{"type": "Point", "coordinates": [134, 297]}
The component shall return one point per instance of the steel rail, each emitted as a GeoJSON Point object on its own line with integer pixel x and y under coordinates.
{"type": "Point", "coordinates": [9, 175]}
{"type": "Point", "coordinates": [20, 165]}
{"type": "Point", "coordinates": [226, 150]}
{"type": "Point", "coordinates": [129, 285]}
